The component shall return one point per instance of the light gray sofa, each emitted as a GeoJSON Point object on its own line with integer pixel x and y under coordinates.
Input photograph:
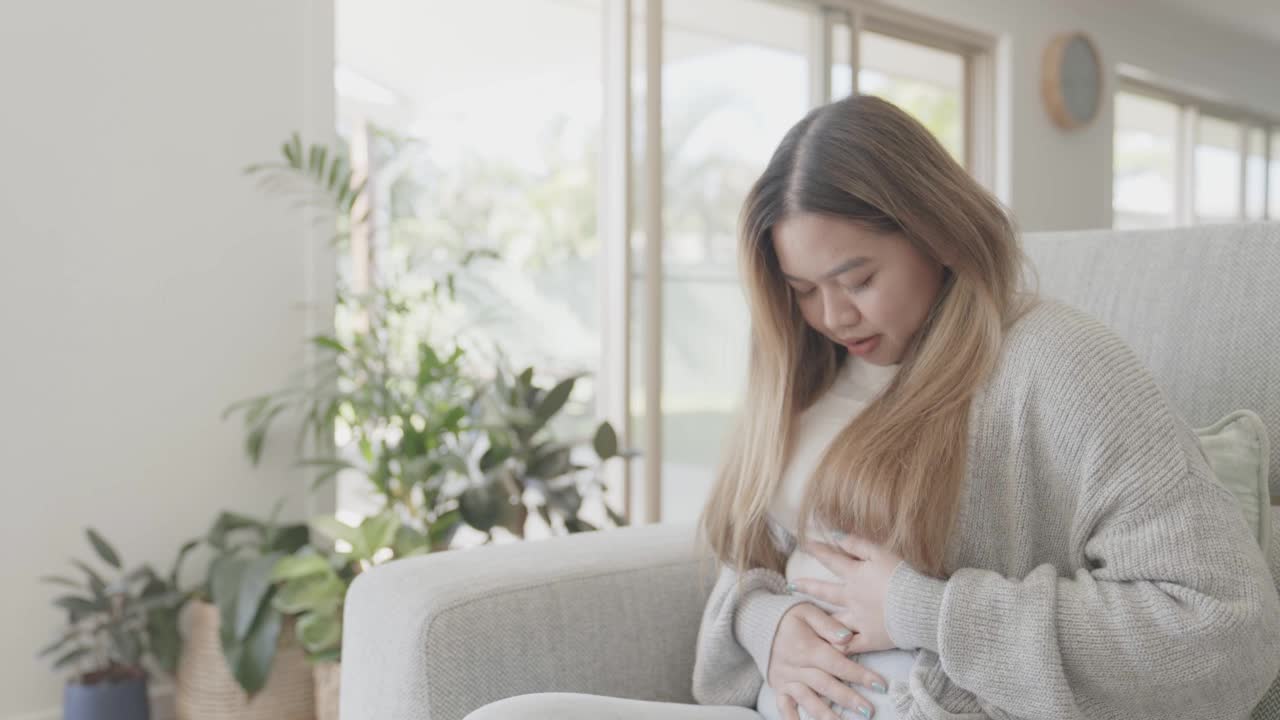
{"type": "Point", "coordinates": [617, 612]}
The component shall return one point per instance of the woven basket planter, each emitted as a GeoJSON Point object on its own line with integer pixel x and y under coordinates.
{"type": "Point", "coordinates": [328, 676]}
{"type": "Point", "coordinates": [207, 691]}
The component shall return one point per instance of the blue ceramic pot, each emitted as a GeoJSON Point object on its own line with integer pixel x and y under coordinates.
{"type": "Point", "coordinates": [124, 700]}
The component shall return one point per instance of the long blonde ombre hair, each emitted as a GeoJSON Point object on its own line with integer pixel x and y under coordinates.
{"type": "Point", "coordinates": [894, 474]}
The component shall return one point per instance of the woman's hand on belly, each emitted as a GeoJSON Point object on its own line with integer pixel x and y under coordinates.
{"type": "Point", "coordinates": [863, 571]}
{"type": "Point", "coordinates": [807, 670]}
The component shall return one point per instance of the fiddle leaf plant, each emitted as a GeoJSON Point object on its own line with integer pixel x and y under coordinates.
{"type": "Point", "coordinates": [523, 462]}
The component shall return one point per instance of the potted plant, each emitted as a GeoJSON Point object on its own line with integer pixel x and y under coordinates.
{"type": "Point", "coordinates": [107, 639]}
{"type": "Point", "coordinates": [521, 463]}
{"type": "Point", "coordinates": [240, 656]}
{"type": "Point", "coordinates": [314, 583]}
{"type": "Point", "coordinates": [436, 440]}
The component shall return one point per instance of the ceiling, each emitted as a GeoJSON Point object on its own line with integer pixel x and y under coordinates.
{"type": "Point", "coordinates": [1258, 18]}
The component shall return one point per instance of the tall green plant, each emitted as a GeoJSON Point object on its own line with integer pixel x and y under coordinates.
{"type": "Point", "coordinates": [439, 445]}
{"type": "Point", "coordinates": [400, 404]}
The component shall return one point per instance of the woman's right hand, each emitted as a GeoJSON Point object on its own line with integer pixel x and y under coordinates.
{"type": "Point", "coordinates": [807, 667]}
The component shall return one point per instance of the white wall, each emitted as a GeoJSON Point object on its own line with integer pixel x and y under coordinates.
{"type": "Point", "coordinates": [144, 282]}
{"type": "Point", "coordinates": [1061, 180]}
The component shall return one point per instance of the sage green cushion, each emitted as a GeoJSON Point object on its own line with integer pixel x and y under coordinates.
{"type": "Point", "coordinates": [1239, 454]}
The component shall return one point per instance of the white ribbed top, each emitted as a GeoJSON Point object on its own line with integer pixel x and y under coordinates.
{"type": "Point", "coordinates": [858, 383]}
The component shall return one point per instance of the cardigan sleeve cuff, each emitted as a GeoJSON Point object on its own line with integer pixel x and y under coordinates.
{"type": "Point", "coordinates": [756, 623]}
{"type": "Point", "coordinates": [912, 606]}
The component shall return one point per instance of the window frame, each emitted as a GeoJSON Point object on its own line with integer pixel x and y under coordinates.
{"type": "Point", "coordinates": [1191, 106]}
{"type": "Point", "coordinates": [976, 49]}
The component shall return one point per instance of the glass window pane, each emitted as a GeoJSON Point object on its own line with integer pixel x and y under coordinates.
{"type": "Point", "coordinates": [1273, 181]}
{"type": "Point", "coordinates": [731, 91]}
{"type": "Point", "coordinates": [486, 135]}
{"type": "Point", "coordinates": [1144, 161]}
{"type": "Point", "coordinates": [841, 72]}
{"type": "Point", "coordinates": [1217, 170]}
{"type": "Point", "coordinates": [1255, 175]}
{"type": "Point", "coordinates": [924, 81]}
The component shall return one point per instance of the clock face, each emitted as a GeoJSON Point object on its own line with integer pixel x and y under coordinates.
{"type": "Point", "coordinates": [1071, 80]}
{"type": "Point", "coordinates": [1078, 78]}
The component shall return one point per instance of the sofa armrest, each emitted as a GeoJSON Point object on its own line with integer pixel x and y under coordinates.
{"type": "Point", "coordinates": [613, 612]}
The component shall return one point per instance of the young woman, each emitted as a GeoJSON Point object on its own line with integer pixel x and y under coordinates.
{"type": "Point", "coordinates": [947, 498]}
{"type": "Point", "coordinates": [1011, 520]}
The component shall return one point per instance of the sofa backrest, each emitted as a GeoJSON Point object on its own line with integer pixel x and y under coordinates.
{"type": "Point", "coordinates": [1199, 305]}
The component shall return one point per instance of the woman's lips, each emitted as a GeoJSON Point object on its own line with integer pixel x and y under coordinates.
{"type": "Point", "coordinates": [864, 347]}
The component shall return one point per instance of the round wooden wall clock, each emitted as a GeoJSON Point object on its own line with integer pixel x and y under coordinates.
{"type": "Point", "coordinates": [1071, 80]}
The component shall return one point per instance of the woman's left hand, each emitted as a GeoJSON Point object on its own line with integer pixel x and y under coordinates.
{"type": "Point", "coordinates": [865, 570]}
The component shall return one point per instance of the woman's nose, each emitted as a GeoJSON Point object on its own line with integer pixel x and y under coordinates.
{"type": "Point", "coordinates": [839, 313]}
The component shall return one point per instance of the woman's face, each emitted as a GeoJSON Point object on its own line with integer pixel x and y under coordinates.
{"type": "Point", "coordinates": [853, 283]}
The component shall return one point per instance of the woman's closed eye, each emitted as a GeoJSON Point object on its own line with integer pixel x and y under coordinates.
{"type": "Point", "coordinates": [814, 288]}
{"type": "Point", "coordinates": [863, 284]}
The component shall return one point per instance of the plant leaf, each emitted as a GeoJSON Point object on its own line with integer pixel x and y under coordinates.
{"type": "Point", "coordinates": [410, 542]}
{"type": "Point", "coordinates": [59, 580]}
{"type": "Point", "coordinates": [103, 548]}
{"type": "Point", "coordinates": [289, 539]}
{"type": "Point", "coordinates": [605, 441]}
{"type": "Point", "coordinates": [70, 657]}
{"type": "Point", "coordinates": [334, 529]}
{"type": "Point", "coordinates": [316, 593]}
{"type": "Point", "coordinates": [494, 456]}
{"type": "Point", "coordinates": [377, 532]}
{"type": "Point", "coordinates": [551, 463]}
{"type": "Point", "coordinates": [96, 583]}
{"type": "Point", "coordinates": [229, 522]}
{"type": "Point", "coordinates": [292, 567]}
{"type": "Point", "coordinates": [164, 637]}
{"type": "Point", "coordinates": [57, 645]}
{"type": "Point", "coordinates": [320, 631]}
{"type": "Point", "coordinates": [255, 584]}
{"type": "Point", "coordinates": [324, 341]}
{"type": "Point", "coordinates": [554, 400]}
{"type": "Point", "coordinates": [576, 524]}
{"type": "Point", "coordinates": [225, 573]}
{"type": "Point", "coordinates": [615, 516]}
{"type": "Point", "coordinates": [126, 644]}
{"type": "Point", "coordinates": [251, 660]}
{"type": "Point", "coordinates": [480, 507]}
{"type": "Point", "coordinates": [186, 548]}
{"type": "Point", "coordinates": [79, 607]}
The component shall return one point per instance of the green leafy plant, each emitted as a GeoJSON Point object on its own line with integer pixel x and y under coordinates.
{"type": "Point", "coordinates": [411, 411]}
{"type": "Point", "coordinates": [524, 464]}
{"type": "Point", "coordinates": [317, 178]}
{"type": "Point", "coordinates": [239, 584]}
{"type": "Point", "coordinates": [400, 400]}
{"type": "Point", "coordinates": [314, 581]}
{"type": "Point", "coordinates": [113, 625]}
{"type": "Point", "coordinates": [404, 415]}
